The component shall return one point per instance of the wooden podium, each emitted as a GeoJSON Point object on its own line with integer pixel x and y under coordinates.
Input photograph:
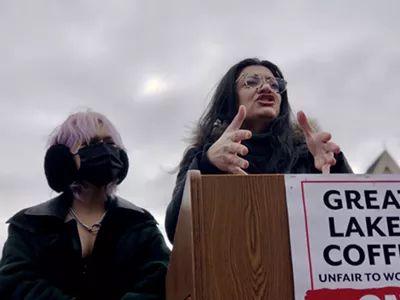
{"type": "Point", "coordinates": [232, 240]}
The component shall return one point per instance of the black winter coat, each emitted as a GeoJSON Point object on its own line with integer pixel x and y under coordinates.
{"type": "Point", "coordinates": [259, 156]}
{"type": "Point", "coordinates": [42, 255]}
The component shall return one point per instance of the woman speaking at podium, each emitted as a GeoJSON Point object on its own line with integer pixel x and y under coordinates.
{"type": "Point", "coordinates": [247, 129]}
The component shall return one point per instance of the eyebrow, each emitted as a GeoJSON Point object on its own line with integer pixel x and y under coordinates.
{"type": "Point", "coordinates": [265, 76]}
{"type": "Point", "coordinates": [253, 74]}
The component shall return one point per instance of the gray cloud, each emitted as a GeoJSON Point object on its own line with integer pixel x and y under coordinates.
{"type": "Point", "coordinates": [341, 59]}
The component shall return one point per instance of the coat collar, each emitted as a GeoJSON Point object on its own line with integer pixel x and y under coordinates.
{"type": "Point", "coordinates": [58, 207]}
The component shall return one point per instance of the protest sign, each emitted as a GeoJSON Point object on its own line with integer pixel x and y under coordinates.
{"type": "Point", "coordinates": [345, 236]}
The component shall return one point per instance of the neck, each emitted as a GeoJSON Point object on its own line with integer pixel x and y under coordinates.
{"type": "Point", "coordinates": [90, 200]}
{"type": "Point", "coordinates": [256, 126]}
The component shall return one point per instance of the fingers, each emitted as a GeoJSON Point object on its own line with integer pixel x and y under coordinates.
{"type": "Point", "coordinates": [236, 148]}
{"type": "Point", "coordinates": [332, 147]}
{"type": "Point", "coordinates": [326, 169]}
{"type": "Point", "coordinates": [324, 137]}
{"type": "Point", "coordinates": [236, 161]}
{"type": "Point", "coordinates": [238, 120]}
{"type": "Point", "coordinates": [324, 162]}
{"type": "Point", "coordinates": [238, 171]}
{"type": "Point", "coordinates": [319, 161]}
{"type": "Point", "coordinates": [329, 159]}
{"type": "Point", "coordinates": [241, 135]}
{"type": "Point", "coordinates": [303, 121]}
{"type": "Point", "coordinates": [236, 164]}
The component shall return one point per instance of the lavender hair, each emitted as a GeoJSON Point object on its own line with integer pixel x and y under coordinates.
{"type": "Point", "coordinates": [83, 127]}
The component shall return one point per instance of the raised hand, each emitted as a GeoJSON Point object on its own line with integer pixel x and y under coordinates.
{"type": "Point", "coordinates": [223, 153]}
{"type": "Point", "coordinates": [319, 145]}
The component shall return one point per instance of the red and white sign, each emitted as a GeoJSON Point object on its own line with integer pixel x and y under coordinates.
{"type": "Point", "coordinates": [345, 236]}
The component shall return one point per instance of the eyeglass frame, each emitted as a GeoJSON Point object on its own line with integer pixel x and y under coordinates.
{"type": "Point", "coordinates": [264, 81]}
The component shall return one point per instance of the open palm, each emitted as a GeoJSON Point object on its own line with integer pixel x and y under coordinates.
{"type": "Point", "coordinates": [319, 145]}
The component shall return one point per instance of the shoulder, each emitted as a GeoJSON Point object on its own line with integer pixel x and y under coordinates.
{"type": "Point", "coordinates": [19, 219]}
{"type": "Point", "coordinates": [192, 154]}
{"type": "Point", "coordinates": [140, 215]}
{"type": "Point", "coordinates": [32, 218]}
{"type": "Point", "coordinates": [128, 205]}
{"type": "Point", "coordinates": [142, 227]}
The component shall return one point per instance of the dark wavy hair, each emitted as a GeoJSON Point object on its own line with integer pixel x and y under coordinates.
{"type": "Point", "coordinates": [224, 106]}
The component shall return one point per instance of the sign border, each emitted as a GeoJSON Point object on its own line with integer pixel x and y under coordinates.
{"type": "Point", "coordinates": [303, 182]}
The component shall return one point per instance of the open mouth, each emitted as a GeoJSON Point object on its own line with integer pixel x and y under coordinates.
{"type": "Point", "coordinates": [266, 99]}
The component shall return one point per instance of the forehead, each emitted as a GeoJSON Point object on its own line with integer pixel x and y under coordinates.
{"type": "Point", "coordinates": [260, 70]}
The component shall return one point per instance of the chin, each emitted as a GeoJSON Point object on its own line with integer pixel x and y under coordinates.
{"type": "Point", "coordinates": [268, 113]}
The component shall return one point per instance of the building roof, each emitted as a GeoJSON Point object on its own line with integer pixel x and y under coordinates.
{"type": "Point", "coordinates": [384, 164]}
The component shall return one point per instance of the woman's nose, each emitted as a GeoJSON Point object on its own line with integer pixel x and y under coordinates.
{"type": "Point", "coordinates": [265, 87]}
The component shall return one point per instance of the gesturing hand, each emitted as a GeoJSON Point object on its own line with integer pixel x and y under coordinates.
{"type": "Point", "coordinates": [319, 145]}
{"type": "Point", "coordinates": [223, 153]}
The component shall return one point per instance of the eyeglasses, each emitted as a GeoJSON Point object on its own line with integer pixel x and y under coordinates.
{"type": "Point", "coordinates": [257, 81]}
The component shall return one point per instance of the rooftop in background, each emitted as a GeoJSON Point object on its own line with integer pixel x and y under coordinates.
{"type": "Point", "coordinates": [384, 164]}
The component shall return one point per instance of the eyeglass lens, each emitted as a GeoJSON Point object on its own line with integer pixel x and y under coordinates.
{"type": "Point", "coordinates": [256, 81]}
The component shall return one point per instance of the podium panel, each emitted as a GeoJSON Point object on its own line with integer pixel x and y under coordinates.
{"type": "Point", "coordinates": [232, 240]}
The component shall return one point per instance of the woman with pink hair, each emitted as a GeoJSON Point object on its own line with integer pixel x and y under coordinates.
{"type": "Point", "coordinates": [86, 243]}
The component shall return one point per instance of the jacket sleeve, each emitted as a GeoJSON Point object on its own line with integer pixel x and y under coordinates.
{"type": "Point", "coordinates": [342, 165]}
{"type": "Point", "coordinates": [149, 279]}
{"type": "Point", "coordinates": [19, 274]}
{"type": "Point", "coordinates": [199, 162]}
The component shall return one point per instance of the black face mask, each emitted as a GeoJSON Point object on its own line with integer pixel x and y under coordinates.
{"type": "Point", "coordinates": [101, 164]}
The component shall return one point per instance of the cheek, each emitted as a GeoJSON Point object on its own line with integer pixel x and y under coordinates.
{"type": "Point", "coordinates": [279, 100]}
{"type": "Point", "coordinates": [245, 96]}
{"type": "Point", "coordinates": [77, 160]}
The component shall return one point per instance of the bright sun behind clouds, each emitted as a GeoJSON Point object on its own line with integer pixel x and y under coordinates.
{"type": "Point", "coordinates": [154, 85]}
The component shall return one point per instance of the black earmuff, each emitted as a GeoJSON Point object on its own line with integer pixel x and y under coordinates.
{"type": "Point", "coordinates": [59, 168]}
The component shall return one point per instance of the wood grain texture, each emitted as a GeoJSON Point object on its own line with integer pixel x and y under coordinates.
{"type": "Point", "coordinates": [180, 277]}
{"type": "Point", "coordinates": [242, 239]}
{"type": "Point", "coordinates": [232, 240]}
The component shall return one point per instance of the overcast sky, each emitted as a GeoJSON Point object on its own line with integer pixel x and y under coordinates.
{"type": "Point", "coordinates": [151, 65]}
